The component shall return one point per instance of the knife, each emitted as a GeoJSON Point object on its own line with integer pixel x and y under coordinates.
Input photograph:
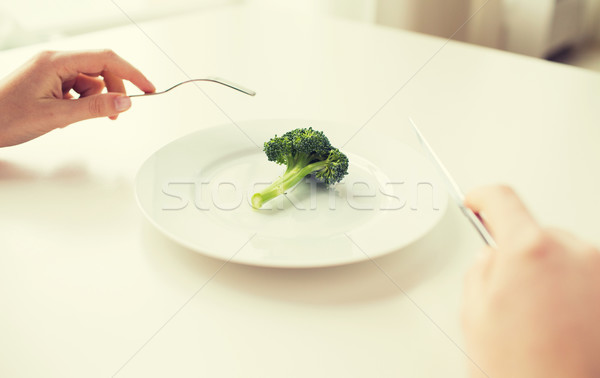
{"type": "Point", "coordinates": [453, 189]}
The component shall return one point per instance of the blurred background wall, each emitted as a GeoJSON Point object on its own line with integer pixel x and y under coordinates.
{"type": "Point", "coordinates": [537, 28]}
{"type": "Point", "coordinates": [29, 21]}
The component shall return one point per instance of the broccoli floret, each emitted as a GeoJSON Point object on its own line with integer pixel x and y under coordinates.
{"type": "Point", "coordinates": [304, 152]}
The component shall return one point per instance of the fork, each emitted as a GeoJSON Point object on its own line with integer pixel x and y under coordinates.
{"type": "Point", "coordinates": [212, 79]}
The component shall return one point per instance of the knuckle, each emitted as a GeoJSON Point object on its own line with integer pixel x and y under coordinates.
{"type": "Point", "coordinates": [96, 107]}
{"type": "Point", "coordinates": [45, 56]}
{"type": "Point", "coordinates": [109, 54]}
{"type": "Point", "coordinates": [539, 244]}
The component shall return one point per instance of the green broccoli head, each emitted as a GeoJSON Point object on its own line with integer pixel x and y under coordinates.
{"type": "Point", "coordinates": [279, 149]}
{"type": "Point", "coordinates": [335, 169]}
{"type": "Point", "coordinates": [309, 142]}
{"type": "Point", "coordinates": [303, 151]}
{"type": "Point", "coordinates": [297, 146]}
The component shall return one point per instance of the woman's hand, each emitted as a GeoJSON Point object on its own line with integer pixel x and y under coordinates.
{"type": "Point", "coordinates": [532, 307]}
{"type": "Point", "coordinates": [36, 98]}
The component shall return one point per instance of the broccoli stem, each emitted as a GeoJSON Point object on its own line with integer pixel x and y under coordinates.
{"type": "Point", "coordinates": [291, 177]}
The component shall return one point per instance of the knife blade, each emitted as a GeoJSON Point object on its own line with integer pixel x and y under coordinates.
{"type": "Point", "coordinates": [453, 189]}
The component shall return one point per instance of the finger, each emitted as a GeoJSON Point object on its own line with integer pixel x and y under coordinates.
{"type": "Point", "coordinates": [64, 112]}
{"type": "Point", "coordinates": [503, 211]}
{"type": "Point", "coordinates": [87, 86]}
{"type": "Point", "coordinates": [113, 82]}
{"type": "Point", "coordinates": [102, 61]}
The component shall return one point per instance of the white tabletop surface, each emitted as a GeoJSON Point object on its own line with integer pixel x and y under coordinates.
{"type": "Point", "coordinates": [88, 288]}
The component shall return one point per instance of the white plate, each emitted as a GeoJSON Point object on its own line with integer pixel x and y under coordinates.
{"type": "Point", "coordinates": [196, 191]}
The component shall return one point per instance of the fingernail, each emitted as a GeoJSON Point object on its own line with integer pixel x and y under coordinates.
{"type": "Point", "coordinates": [122, 103]}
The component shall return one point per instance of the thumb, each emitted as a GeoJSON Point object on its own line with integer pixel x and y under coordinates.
{"type": "Point", "coordinates": [100, 105]}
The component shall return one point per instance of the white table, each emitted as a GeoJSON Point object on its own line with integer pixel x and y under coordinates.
{"type": "Point", "coordinates": [88, 288]}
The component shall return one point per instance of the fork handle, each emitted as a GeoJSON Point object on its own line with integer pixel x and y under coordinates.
{"type": "Point", "coordinates": [217, 80]}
